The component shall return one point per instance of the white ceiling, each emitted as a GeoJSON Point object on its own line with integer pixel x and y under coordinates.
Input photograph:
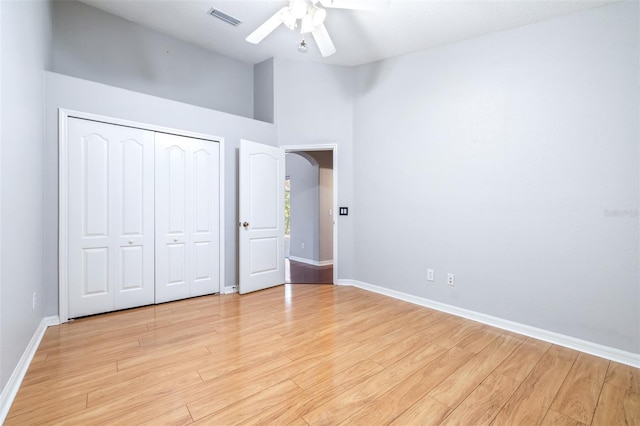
{"type": "Point", "coordinates": [359, 36]}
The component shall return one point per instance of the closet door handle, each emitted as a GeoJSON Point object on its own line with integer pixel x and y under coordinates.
{"type": "Point", "coordinates": [130, 241]}
{"type": "Point", "coordinates": [175, 240]}
{"type": "Point", "coordinates": [245, 224]}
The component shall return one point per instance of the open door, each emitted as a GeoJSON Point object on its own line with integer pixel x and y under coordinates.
{"type": "Point", "coordinates": [261, 227]}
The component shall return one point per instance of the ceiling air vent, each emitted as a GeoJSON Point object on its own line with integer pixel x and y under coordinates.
{"type": "Point", "coordinates": [223, 16]}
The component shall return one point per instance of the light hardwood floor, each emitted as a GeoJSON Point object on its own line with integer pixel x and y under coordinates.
{"type": "Point", "coordinates": [313, 354]}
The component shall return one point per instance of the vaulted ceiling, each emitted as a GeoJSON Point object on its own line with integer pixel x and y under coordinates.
{"type": "Point", "coordinates": [402, 26]}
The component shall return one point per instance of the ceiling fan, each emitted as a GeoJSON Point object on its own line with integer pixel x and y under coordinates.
{"type": "Point", "coordinates": [311, 14]}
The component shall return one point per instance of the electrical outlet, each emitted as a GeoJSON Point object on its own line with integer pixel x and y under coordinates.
{"type": "Point", "coordinates": [450, 279]}
{"type": "Point", "coordinates": [429, 274]}
{"type": "Point", "coordinates": [302, 246]}
{"type": "Point", "coordinates": [33, 300]}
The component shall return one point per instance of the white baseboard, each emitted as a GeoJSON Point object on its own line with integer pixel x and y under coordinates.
{"type": "Point", "coordinates": [230, 289]}
{"type": "Point", "coordinates": [607, 352]}
{"type": "Point", "coordinates": [11, 388]}
{"type": "Point", "coordinates": [311, 261]}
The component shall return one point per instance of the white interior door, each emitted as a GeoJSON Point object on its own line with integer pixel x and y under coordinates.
{"type": "Point", "coordinates": [110, 209]}
{"type": "Point", "coordinates": [261, 216]}
{"type": "Point", "coordinates": [187, 217]}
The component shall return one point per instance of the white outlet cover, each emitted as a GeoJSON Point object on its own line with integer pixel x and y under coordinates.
{"type": "Point", "coordinates": [450, 279]}
{"type": "Point", "coordinates": [429, 274]}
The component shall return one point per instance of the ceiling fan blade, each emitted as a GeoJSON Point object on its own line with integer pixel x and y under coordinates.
{"type": "Point", "coordinates": [373, 5]}
{"type": "Point", "coordinates": [267, 28]}
{"type": "Point", "coordinates": [321, 36]}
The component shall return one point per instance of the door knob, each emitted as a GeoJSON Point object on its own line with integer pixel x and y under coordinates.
{"type": "Point", "coordinates": [245, 224]}
{"type": "Point", "coordinates": [130, 241]}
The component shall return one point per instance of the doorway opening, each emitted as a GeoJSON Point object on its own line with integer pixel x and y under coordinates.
{"type": "Point", "coordinates": [287, 216]}
{"type": "Point", "coordinates": [309, 216]}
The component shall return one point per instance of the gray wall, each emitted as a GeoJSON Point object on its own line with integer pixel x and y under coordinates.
{"type": "Point", "coordinates": [98, 46]}
{"type": "Point", "coordinates": [314, 105]}
{"type": "Point", "coordinates": [511, 160]}
{"type": "Point", "coordinates": [304, 198]}
{"type": "Point", "coordinates": [81, 95]}
{"type": "Point", "coordinates": [263, 91]}
{"type": "Point", "coordinates": [25, 53]}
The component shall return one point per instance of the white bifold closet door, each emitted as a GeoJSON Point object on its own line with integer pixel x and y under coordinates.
{"type": "Point", "coordinates": [110, 217]}
{"type": "Point", "coordinates": [187, 214]}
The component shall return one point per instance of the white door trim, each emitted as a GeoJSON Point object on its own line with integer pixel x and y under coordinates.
{"type": "Point", "coordinates": [63, 195]}
{"type": "Point", "coordinates": [334, 148]}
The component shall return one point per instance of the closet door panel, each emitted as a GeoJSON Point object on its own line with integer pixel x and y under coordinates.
{"type": "Point", "coordinates": [108, 211]}
{"type": "Point", "coordinates": [134, 198]}
{"type": "Point", "coordinates": [94, 177]}
{"type": "Point", "coordinates": [172, 194]}
{"type": "Point", "coordinates": [90, 255]}
{"type": "Point", "coordinates": [176, 168]}
{"type": "Point", "coordinates": [95, 272]}
{"type": "Point", "coordinates": [177, 274]}
{"type": "Point", "coordinates": [205, 222]}
{"type": "Point", "coordinates": [187, 217]}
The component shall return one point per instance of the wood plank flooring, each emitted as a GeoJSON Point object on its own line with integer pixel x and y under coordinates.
{"type": "Point", "coordinates": [312, 355]}
{"type": "Point", "coordinates": [303, 273]}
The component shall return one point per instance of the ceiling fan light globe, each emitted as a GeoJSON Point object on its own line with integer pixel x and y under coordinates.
{"type": "Point", "coordinates": [318, 15]}
{"type": "Point", "coordinates": [291, 24]}
{"type": "Point", "coordinates": [288, 19]}
{"type": "Point", "coordinates": [306, 24]}
{"type": "Point", "coordinates": [298, 8]}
